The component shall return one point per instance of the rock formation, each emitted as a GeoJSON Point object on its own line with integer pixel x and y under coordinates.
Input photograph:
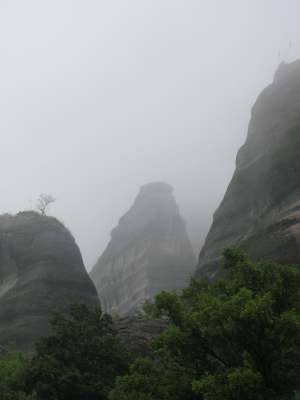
{"type": "Point", "coordinates": [139, 333]}
{"type": "Point", "coordinates": [41, 270]}
{"type": "Point", "coordinates": [261, 208]}
{"type": "Point", "coordinates": [149, 252]}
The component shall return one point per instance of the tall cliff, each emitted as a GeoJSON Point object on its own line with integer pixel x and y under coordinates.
{"type": "Point", "coordinates": [261, 208]}
{"type": "Point", "coordinates": [41, 270]}
{"type": "Point", "coordinates": [149, 252]}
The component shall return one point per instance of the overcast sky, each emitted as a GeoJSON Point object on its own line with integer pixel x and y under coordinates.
{"type": "Point", "coordinates": [101, 96]}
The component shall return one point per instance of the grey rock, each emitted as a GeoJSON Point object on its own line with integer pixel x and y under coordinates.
{"type": "Point", "coordinates": [41, 271]}
{"type": "Point", "coordinates": [261, 208]}
{"type": "Point", "coordinates": [149, 251]}
{"type": "Point", "coordinates": [138, 333]}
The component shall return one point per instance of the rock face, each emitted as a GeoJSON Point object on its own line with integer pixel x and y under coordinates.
{"type": "Point", "coordinates": [41, 270]}
{"type": "Point", "coordinates": [261, 208]}
{"type": "Point", "coordinates": [149, 252]}
{"type": "Point", "coordinates": [138, 333]}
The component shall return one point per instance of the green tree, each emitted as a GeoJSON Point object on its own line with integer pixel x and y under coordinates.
{"type": "Point", "coordinates": [150, 380]}
{"type": "Point", "coordinates": [13, 370]}
{"type": "Point", "coordinates": [234, 339]}
{"type": "Point", "coordinates": [80, 360]}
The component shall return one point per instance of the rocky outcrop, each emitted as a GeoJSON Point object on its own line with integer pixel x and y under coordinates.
{"type": "Point", "coordinates": [261, 208]}
{"type": "Point", "coordinates": [149, 252]}
{"type": "Point", "coordinates": [138, 333]}
{"type": "Point", "coordinates": [41, 271]}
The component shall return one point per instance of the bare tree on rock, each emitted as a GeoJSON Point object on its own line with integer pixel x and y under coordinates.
{"type": "Point", "coordinates": [44, 202]}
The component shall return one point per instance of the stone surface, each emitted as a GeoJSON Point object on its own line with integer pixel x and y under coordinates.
{"type": "Point", "coordinates": [149, 252]}
{"type": "Point", "coordinates": [261, 208]}
{"type": "Point", "coordinates": [41, 270]}
{"type": "Point", "coordinates": [138, 333]}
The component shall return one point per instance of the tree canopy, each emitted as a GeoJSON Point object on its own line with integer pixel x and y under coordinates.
{"type": "Point", "coordinates": [234, 339]}
{"type": "Point", "coordinates": [80, 360]}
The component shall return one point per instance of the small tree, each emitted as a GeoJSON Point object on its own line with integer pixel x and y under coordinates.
{"type": "Point", "coordinates": [44, 202]}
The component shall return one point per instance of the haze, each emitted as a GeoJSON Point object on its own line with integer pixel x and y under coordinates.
{"type": "Point", "coordinates": [100, 97]}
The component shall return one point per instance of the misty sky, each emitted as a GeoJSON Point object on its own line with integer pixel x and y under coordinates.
{"type": "Point", "coordinates": [101, 96]}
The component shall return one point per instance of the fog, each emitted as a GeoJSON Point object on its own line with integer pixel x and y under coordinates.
{"type": "Point", "coordinates": [100, 97]}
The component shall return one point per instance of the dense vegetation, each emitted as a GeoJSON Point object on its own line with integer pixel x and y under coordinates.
{"type": "Point", "coordinates": [234, 339]}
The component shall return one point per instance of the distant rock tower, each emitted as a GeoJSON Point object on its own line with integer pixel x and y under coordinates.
{"type": "Point", "coordinates": [149, 252]}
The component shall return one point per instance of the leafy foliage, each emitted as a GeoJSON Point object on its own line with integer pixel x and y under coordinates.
{"type": "Point", "coordinates": [234, 339]}
{"type": "Point", "coordinates": [80, 360]}
{"type": "Point", "coordinates": [150, 380]}
{"type": "Point", "coordinates": [13, 370]}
